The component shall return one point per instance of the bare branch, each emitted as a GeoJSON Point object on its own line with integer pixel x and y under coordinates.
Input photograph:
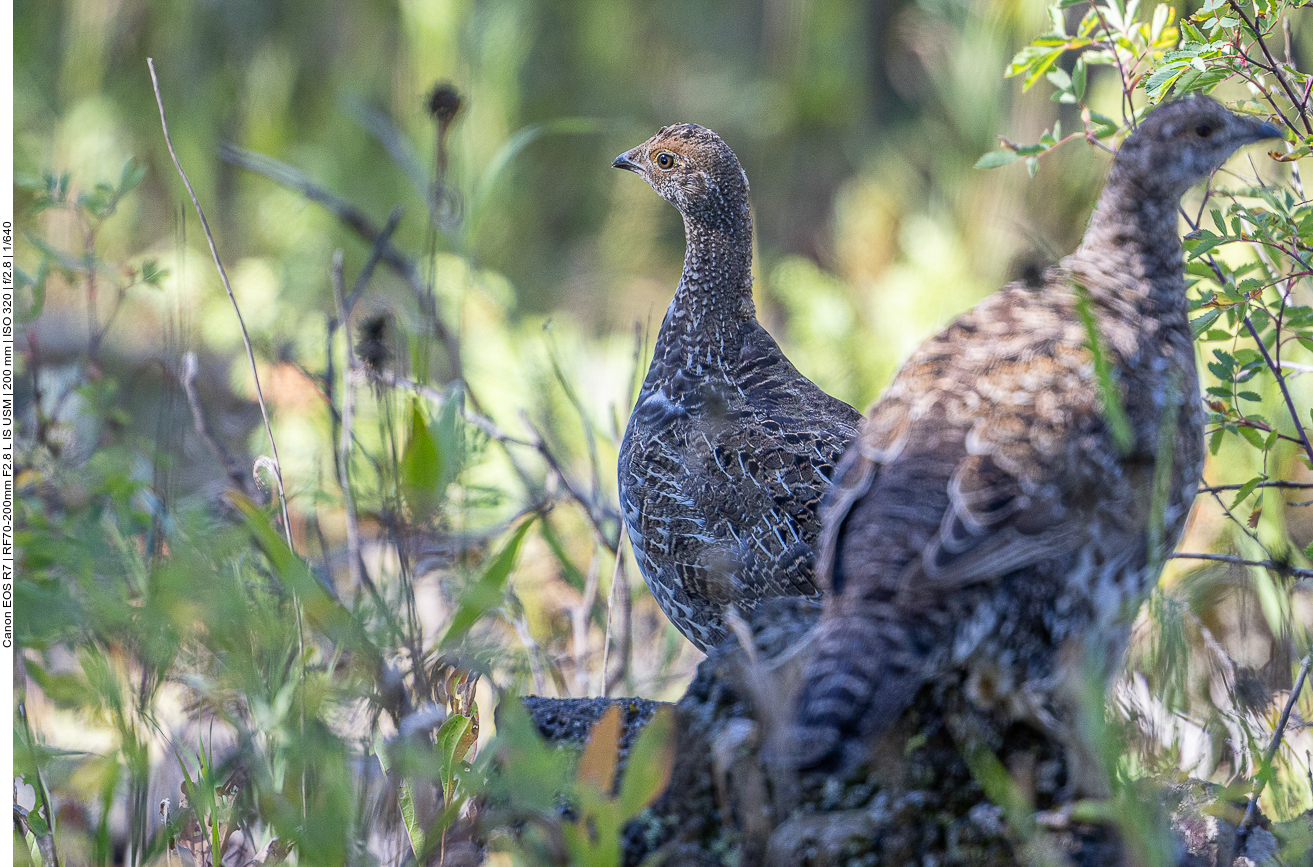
{"type": "Point", "coordinates": [354, 563]}
{"type": "Point", "coordinates": [1279, 568]}
{"type": "Point", "coordinates": [1276, 483]}
{"type": "Point", "coordinates": [618, 621]}
{"type": "Point", "coordinates": [1273, 65]}
{"type": "Point", "coordinates": [1248, 820]}
{"type": "Point", "coordinates": [1285, 390]}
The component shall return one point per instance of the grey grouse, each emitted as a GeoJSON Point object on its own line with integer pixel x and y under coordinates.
{"type": "Point", "coordinates": [729, 448]}
{"type": "Point", "coordinates": [987, 529]}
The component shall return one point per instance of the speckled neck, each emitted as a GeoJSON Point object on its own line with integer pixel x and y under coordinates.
{"type": "Point", "coordinates": [717, 281]}
{"type": "Point", "coordinates": [714, 298]}
{"type": "Point", "coordinates": [1132, 248]}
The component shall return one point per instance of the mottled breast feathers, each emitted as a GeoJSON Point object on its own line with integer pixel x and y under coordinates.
{"type": "Point", "coordinates": [729, 449]}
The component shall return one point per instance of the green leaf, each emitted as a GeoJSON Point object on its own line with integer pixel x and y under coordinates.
{"type": "Point", "coordinates": [573, 575]}
{"type": "Point", "coordinates": [1247, 488]}
{"type": "Point", "coordinates": [1254, 437]}
{"type": "Point", "coordinates": [37, 286]}
{"type": "Point", "coordinates": [1162, 15]}
{"type": "Point", "coordinates": [1160, 83]}
{"type": "Point", "coordinates": [486, 593]}
{"type": "Point", "coordinates": [1207, 241]}
{"type": "Point", "coordinates": [406, 804]}
{"type": "Point", "coordinates": [421, 466]}
{"type": "Point", "coordinates": [994, 159]}
{"type": "Point", "coordinates": [152, 273]}
{"type": "Point", "coordinates": [651, 761]}
{"type": "Point", "coordinates": [322, 611]}
{"type": "Point", "coordinates": [1104, 125]}
{"type": "Point", "coordinates": [1198, 326]}
{"type": "Point", "coordinates": [65, 689]}
{"type": "Point", "coordinates": [130, 177]}
{"type": "Point", "coordinates": [531, 772]}
{"type": "Point", "coordinates": [1114, 411]}
{"type": "Point", "coordinates": [37, 824]}
{"type": "Point", "coordinates": [1191, 33]}
{"type": "Point", "coordinates": [1078, 77]}
{"type": "Point", "coordinates": [451, 737]}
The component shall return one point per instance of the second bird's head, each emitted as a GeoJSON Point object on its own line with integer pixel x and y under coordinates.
{"type": "Point", "coordinates": [692, 168]}
{"type": "Point", "coordinates": [1183, 141]}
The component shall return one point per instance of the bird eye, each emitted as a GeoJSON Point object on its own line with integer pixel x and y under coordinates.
{"type": "Point", "coordinates": [1203, 130]}
{"type": "Point", "coordinates": [664, 160]}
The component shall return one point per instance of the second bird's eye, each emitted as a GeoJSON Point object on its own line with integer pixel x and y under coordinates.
{"type": "Point", "coordinates": [664, 160]}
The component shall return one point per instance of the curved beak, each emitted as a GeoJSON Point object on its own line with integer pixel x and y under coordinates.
{"type": "Point", "coordinates": [624, 162]}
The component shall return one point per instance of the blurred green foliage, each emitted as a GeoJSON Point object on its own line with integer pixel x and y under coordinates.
{"type": "Point", "coordinates": [457, 542]}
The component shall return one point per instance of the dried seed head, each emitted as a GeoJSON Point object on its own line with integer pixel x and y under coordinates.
{"type": "Point", "coordinates": [372, 342]}
{"type": "Point", "coordinates": [445, 103]}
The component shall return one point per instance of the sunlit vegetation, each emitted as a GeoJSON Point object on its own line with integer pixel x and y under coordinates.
{"type": "Point", "coordinates": [449, 297]}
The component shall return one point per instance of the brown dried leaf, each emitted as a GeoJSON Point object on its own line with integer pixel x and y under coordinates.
{"type": "Point", "coordinates": [597, 764]}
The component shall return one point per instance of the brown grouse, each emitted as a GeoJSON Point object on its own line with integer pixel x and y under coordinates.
{"type": "Point", "coordinates": [729, 448]}
{"type": "Point", "coordinates": [988, 528]}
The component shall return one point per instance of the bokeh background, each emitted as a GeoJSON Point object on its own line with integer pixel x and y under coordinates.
{"type": "Point", "coordinates": [858, 124]}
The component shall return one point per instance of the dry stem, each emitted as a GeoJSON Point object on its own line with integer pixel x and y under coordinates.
{"type": "Point", "coordinates": [223, 276]}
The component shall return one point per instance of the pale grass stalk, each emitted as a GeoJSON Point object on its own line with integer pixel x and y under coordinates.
{"type": "Point", "coordinates": [223, 276]}
{"type": "Point", "coordinates": [610, 607]}
{"type": "Point", "coordinates": [348, 427]}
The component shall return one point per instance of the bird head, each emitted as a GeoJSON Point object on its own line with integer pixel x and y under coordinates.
{"type": "Point", "coordinates": [692, 168]}
{"type": "Point", "coordinates": [1185, 140]}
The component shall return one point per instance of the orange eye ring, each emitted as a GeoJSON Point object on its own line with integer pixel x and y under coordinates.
{"type": "Point", "coordinates": [664, 160]}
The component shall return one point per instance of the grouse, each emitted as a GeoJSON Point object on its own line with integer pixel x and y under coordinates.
{"type": "Point", "coordinates": [729, 448]}
{"type": "Point", "coordinates": [991, 525]}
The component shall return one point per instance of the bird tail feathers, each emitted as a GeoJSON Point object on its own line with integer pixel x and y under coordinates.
{"type": "Point", "coordinates": [856, 686]}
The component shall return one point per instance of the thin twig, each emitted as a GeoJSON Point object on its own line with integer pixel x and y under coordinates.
{"type": "Point", "coordinates": [1127, 102]}
{"type": "Point", "coordinates": [223, 276]}
{"type": "Point", "coordinates": [1285, 390]}
{"type": "Point", "coordinates": [376, 252]}
{"type": "Point", "coordinates": [593, 509]}
{"type": "Point", "coordinates": [1277, 483]}
{"type": "Point", "coordinates": [354, 566]}
{"type": "Point", "coordinates": [1272, 365]}
{"type": "Point", "coordinates": [619, 590]}
{"type": "Point", "coordinates": [580, 620]}
{"type": "Point", "coordinates": [1275, 67]}
{"type": "Point", "coordinates": [1280, 568]}
{"type": "Point", "coordinates": [1243, 831]}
